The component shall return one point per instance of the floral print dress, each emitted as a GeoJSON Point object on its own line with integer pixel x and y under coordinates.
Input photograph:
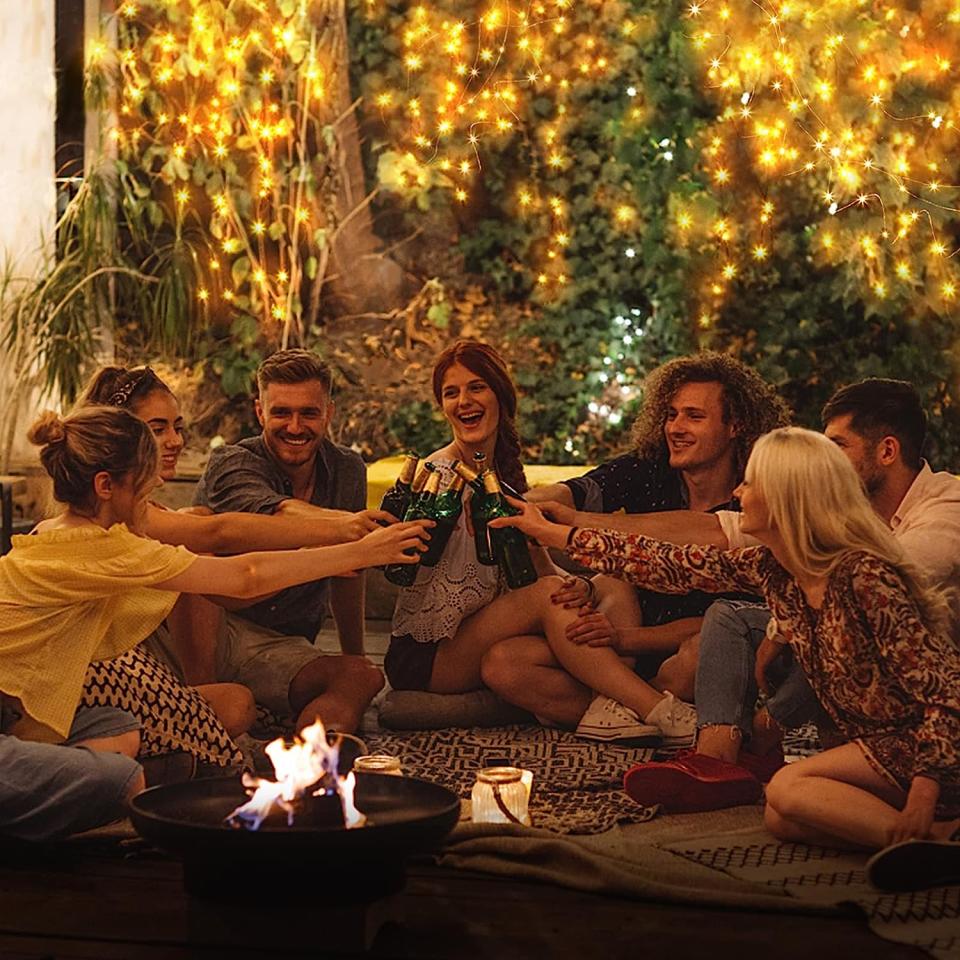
{"type": "Point", "coordinates": [888, 683]}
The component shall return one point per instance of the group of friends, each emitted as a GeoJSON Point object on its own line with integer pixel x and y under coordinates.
{"type": "Point", "coordinates": [729, 580]}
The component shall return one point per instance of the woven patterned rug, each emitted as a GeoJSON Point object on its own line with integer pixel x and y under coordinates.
{"type": "Point", "coordinates": [929, 919]}
{"type": "Point", "coordinates": [577, 784]}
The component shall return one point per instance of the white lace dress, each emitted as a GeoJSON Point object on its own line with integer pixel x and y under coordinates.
{"type": "Point", "coordinates": [432, 609]}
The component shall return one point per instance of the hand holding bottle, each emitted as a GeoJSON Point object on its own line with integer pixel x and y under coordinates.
{"type": "Point", "coordinates": [398, 543]}
{"type": "Point", "coordinates": [535, 525]}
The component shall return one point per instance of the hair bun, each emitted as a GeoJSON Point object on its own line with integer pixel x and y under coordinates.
{"type": "Point", "coordinates": [47, 429]}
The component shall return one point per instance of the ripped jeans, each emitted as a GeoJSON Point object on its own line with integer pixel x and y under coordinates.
{"type": "Point", "coordinates": [726, 691]}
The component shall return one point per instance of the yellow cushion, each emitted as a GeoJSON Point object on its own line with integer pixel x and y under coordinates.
{"type": "Point", "coordinates": [382, 474]}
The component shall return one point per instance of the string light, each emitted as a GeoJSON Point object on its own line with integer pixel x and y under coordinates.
{"type": "Point", "coordinates": [820, 100]}
{"type": "Point", "coordinates": [231, 104]}
{"type": "Point", "coordinates": [469, 86]}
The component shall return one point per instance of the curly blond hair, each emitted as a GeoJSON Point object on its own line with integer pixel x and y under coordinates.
{"type": "Point", "coordinates": [748, 401]}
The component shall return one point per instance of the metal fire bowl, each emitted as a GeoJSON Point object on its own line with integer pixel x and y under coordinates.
{"type": "Point", "coordinates": [404, 817]}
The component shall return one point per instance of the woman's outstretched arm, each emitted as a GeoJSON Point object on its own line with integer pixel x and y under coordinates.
{"type": "Point", "coordinates": [660, 566]}
{"type": "Point", "coordinates": [242, 532]}
{"type": "Point", "coordinates": [256, 574]}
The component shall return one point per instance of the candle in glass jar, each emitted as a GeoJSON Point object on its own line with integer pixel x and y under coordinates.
{"type": "Point", "coordinates": [379, 763]}
{"type": "Point", "coordinates": [501, 795]}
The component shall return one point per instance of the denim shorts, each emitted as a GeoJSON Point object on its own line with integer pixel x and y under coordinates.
{"type": "Point", "coordinates": [49, 791]}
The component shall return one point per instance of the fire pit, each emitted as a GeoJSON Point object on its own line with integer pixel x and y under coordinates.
{"type": "Point", "coordinates": [225, 850]}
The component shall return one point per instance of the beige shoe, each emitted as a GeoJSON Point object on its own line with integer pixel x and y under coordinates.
{"type": "Point", "coordinates": [607, 719]}
{"type": "Point", "coordinates": [676, 721]}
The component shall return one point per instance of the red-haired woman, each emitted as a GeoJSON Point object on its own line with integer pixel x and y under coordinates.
{"type": "Point", "coordinates": [449, 627]}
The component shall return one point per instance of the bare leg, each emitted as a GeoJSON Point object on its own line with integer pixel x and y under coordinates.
{"type": "Point", "coordinates": [456, 668]}
{"type": "Point", "coordinates": [528, 612]}
{"type": "Point", "coordinates": [233, 704]}
{"type": "Point", "coordinates": [335, 689]}
{"type": "Point", "coordinates": [678, 673]}
{"type": "Point", "coordinates": [834, 797]}
{"type": "Point", "coordinates": [617, 599]}
{"type": "Point", "coordinates": [524, 672]}
{"type": "Point", "coordinates": [720, 741]}
{"type": "Point", "coordinates": [601, 668]}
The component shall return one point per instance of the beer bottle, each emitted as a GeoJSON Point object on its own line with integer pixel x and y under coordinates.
{"type": "Point", "coordinates": [397, 499]}
{"type": "Point", "coordinates": [421, 508]}
{"type": "Point", "coordinates": [509, 545]}
{"type": "Point", "coordinates": [481, 535]}
{"type": "Point", "coordinates": [420, 478]}
{"type": "Point", "coordinates": [446, 513]}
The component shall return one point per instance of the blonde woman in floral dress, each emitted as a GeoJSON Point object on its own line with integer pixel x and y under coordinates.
{"type": "Point", "coordinates": [864, 629]}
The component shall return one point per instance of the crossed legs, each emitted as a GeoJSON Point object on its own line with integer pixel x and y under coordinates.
{"type": "Point", "coordinates": [518, 647]}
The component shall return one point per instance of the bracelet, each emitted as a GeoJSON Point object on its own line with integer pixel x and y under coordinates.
{"type": "Point", "coordinates": [591, 588]}
{"type": "Point", "coordinates": [571, 535]}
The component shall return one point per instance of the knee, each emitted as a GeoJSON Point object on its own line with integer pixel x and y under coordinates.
{"type": "Point", "coordinates": [724, 632]}
{"type": "Point", "coordinates": [235, 707]}
{"type": "Point", "coordinates": [781, 792]}
{"type": "Point", "coordinates": [612, 591]}
{"type": "Point", "coordinates": [498, 668]}
{"type": "Point", "coordinates": [129, 743]}
{"type": "Point", "coordinates": [360, 673]}
{"type": "Point", "coordinates": [775, 823]}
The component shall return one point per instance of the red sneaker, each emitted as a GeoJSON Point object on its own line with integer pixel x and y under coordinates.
{"type": "Point", "coordinates": [762, 767]}
{"type": "Point", "coordinates": [691, 784]}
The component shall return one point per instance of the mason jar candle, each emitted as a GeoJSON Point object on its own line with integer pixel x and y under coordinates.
{"type": "Point", "coordinates": [379, 763]}
{"type": "Point", "coordinates": [501, 795]}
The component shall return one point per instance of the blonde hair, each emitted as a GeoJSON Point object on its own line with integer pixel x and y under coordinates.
{"type": "Point", "coordinates": [817, 505]}
{"type": "Point", "coordinates": [74, 449]}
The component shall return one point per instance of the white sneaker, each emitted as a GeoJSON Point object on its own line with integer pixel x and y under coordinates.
{"type": "Point", "coordinates": [607, 719]}
{"type": "Point", "coordinates": [676, 721]}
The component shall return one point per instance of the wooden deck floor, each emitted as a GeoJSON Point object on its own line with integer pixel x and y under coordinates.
{"type": "Point", "coordinates": [90, 904]}
{"type": "Point", "coordinates": [98, 907]}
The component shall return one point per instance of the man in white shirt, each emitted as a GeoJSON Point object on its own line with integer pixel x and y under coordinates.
{"type": "Point", "coordinates": [880, 425]}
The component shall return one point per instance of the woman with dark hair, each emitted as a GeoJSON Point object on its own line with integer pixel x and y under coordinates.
{"type": "Point", "coordinates": [489, 373]}
{"type": "Point", "coordinates": [432, 645]}
{"type": "Point", "coordinates": [447, 626]}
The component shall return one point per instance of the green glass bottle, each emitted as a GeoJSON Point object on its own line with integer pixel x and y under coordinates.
{"type": "Point", "coordinates": [481, 535]}
{"type": "Point", "coordinates": [446, 514]}
{"type": "Point", "coordinates": [397, 499]}
{"type": "Point", "coordinates": [421, 508]}
{"type": "Point", "coordinates": [509, 545]}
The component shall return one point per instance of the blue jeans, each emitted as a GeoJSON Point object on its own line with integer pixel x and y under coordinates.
{"type": "Point", "coordinates": [49, 791]}
{"type": "Point", "coordinates": [726, 691]}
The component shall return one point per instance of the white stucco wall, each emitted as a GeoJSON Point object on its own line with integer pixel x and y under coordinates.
{"type": "Point", "coordinates": [27, 117]}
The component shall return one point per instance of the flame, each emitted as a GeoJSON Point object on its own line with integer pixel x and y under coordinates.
{"type": "Point", "coordinates": [309, 760]}
{"type": "Point", "coordinates": [352, 817]}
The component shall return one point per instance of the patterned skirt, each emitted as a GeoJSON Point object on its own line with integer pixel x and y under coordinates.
{"type": "Point", "coordinates": [173, 717]}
